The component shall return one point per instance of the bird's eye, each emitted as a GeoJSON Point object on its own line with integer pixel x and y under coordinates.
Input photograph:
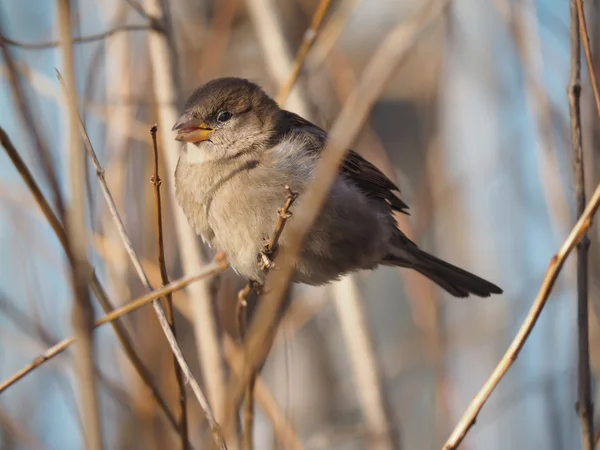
{"type": "Point", "coordinates": [224, 116]}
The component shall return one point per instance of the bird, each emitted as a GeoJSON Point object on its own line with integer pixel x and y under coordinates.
{"type": "Point", "coordinates": [240, 151]}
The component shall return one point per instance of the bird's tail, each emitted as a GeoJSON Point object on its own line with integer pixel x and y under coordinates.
{"type": "Point", "coordinates": [452, 279]}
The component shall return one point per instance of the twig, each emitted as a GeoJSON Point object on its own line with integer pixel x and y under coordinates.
{"type": "Point", "coordinates": [271, 37]}
{"type": "Point", "coordinates": [162, 318]}
{"type": "Point", "coordinates": [219, 265]}
{"type": "Point", "coordinates": [83, 314]}
{"type": "Point", "coordinates": [165, 280]}
{"type": "Point", "coordinates": [166, 91]}
{"type": "Point", "coordinates": [364, 363]}
{"type": "Point", "coordinates": [97, 287]}
{"type": "Point", "coordinates": [395, 47]}
{"type": "Point", "coordinates": [28, 118]}
{"type": "Point", "coordinates": [266, 264]}
{"type": "Point", "coordinates": [585, 38]}
{"type": "Point", "coordinates": [307, 42]}
{"type": "Point", "coordinates": [584, 396]}
{"type": "Point", "coordinates": [264, 398]}
{"type": "Point", "coordinates": [79, 40]}
{"type": "Point", "coordinates": [556, 263]}
{"type": "Point", "coordinates": [138, 8]}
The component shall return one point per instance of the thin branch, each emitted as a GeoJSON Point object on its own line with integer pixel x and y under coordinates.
{"type": "Point", "coordinates": [156, 181]}
{"type": "Point", "coordinates": [584, 396]}
{"type": "Point", "coordinates": [32, 126]}
{"type": "Point", "coordinates": [577, 233]}
{"type": "Point", "coordinates": [282, 427]}
{"type": "Point", "coordinates": [585, 38]}
{"type": "Point", "coordinates": [160, 313]}
{"type": "Point", "coordinates": [392, 51]}
{"type": "Point", "coordinates": [271, 37]}
{"type": "Point", "coordinates": [82, 312]}
{"type": "Point", "coordinates": [309, 38]}
{"type": "Point", "coordinates": [79, 40]}
{"type": "Point", "coordinates": [168, 99]}
{"type": "Point", "coordinates": [217, 266]}
{"type": "Point", "coordinates": [99, 291]}
{"type": "Point", "coordinates": [139, 9]}
{"type": "Point", "coordinates": [364, 363]}
{"type": "Point", "coordinates": [266, 264]}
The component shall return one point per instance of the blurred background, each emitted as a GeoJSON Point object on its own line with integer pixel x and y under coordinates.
{"type": "Point", "coordinates": [474, 127]}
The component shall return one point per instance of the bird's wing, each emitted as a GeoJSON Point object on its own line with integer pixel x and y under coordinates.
{"type": "Point", "coordinates": [358, 170]}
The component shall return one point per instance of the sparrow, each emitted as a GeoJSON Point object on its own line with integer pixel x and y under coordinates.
{"type": "Point", "coordinates": [241, 150]}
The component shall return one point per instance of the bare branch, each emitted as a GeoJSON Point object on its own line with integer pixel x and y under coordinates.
{"type": "Point", "coordinates": [79, 40]}
{"type": "Point", "coordinates": [219, 265]}
{"type": "Point", "coordinates": [584, 387]}
{"type": "Point", "coordinates": [556, 263]}
{"type": "Point", "coordinates": [97, 287]}
{"type": "Point", "coordinates": [156, 181]}
{"type": "Point", "coordinates": [585, 38]}
{"type": "Point", "coordinates": [167, 96]}
{"type": "Point", "coordinates": [283, 215]}
{"type": "Point", "coordinates": [162, 318]}
{"type": "Point", "coordinates": [83, 314]}
{"type": "Point", "coordinates": [309, 38]}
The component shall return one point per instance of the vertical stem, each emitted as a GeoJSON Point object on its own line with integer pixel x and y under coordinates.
{"type": "Point", "coordinates": [584, 402]}
{"type": "Point", "coordinates": [242, 317]}
{"type": "Point", "coordinates": [83, 314]}
{"type": "Point", "coordinates": [166, 91]}
{"type": "Point", "coordinates": [168, 298]}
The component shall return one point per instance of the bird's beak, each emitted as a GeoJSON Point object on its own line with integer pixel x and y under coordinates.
{"type": "Point", "coordinates": [190, 129]}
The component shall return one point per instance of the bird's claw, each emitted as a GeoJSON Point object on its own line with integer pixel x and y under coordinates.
{"type": "Point", "coordinates": [265, 262]}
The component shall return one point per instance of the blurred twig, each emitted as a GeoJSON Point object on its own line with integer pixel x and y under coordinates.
{"type": "Point", "coordinates": [266, 264]}
{"type": "Point", "coordinates": [31, 124]}
{"type": "Point", "coordinates": [556, 263]}
{"type": "Point", "coordinates": [97, 287]}
{"type": "Point", "coordinates": [381, 66]}
{"type": "Point", "coordinates": [588, 52]}
{"type": "Point", "coordinates": [271, 37]}
{"type": "Point", "coordinates": [217, 266]}
{"type": "Point", "coordinates": [156, 181]}
{"type": "Point", "coordinates": [28, 326]}
{"type": "Point", "coordinates": [162, 318]}
{"type": "Point", "coordinates": [364, 363]}
{"type": "Point", "coordinates": [215, 45]}
{"type": "Point", "coordinates": [138, 8]}
{"type": "Point", "coordinates": [522, 19]}
{"type": "Point", "coordinates": [281, 425]}
{"type": "Point", "coordinates": [307, 42]}
{"type": "Point", "coordinates": [78, 40]}
{"type": "Point", "coordinates": [83, 314]}
{"type": "Point", "coordinates": [584, 395]}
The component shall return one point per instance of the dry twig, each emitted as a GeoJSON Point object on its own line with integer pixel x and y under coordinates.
{"type": "Point", "coordinates": [585, 38]}
{"type": "Point", "coordinates": [79, 40]}
{"type": "Point", "coordinates": [584, 388]}
{"type": "Point", "coordinates": [266, 264]}
{"type": "Point", "coordinates": [556, 263]}
{"type": "Point", "coordinates": [307, 42]}
{"type": "Point", "coordinates": [355, 111]}
{"type": "Point", "coordinates": [167, 96]}
{"type": "Point", "coordinates": [28, 118]}
{"type": "Point", "coordinates": [97, 287]}
{"type": "Point", "coordinates": [156, 181]}
{"type": "Point", "coordinates": [82, 312]}
{"type": "Point", "coordinates": [162, 318]}
{"type": "Point", "coordinates": [219, 265]}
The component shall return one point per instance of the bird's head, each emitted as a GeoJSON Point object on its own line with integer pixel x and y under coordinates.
{"type": "Point", "coordinates": [227, 116]}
